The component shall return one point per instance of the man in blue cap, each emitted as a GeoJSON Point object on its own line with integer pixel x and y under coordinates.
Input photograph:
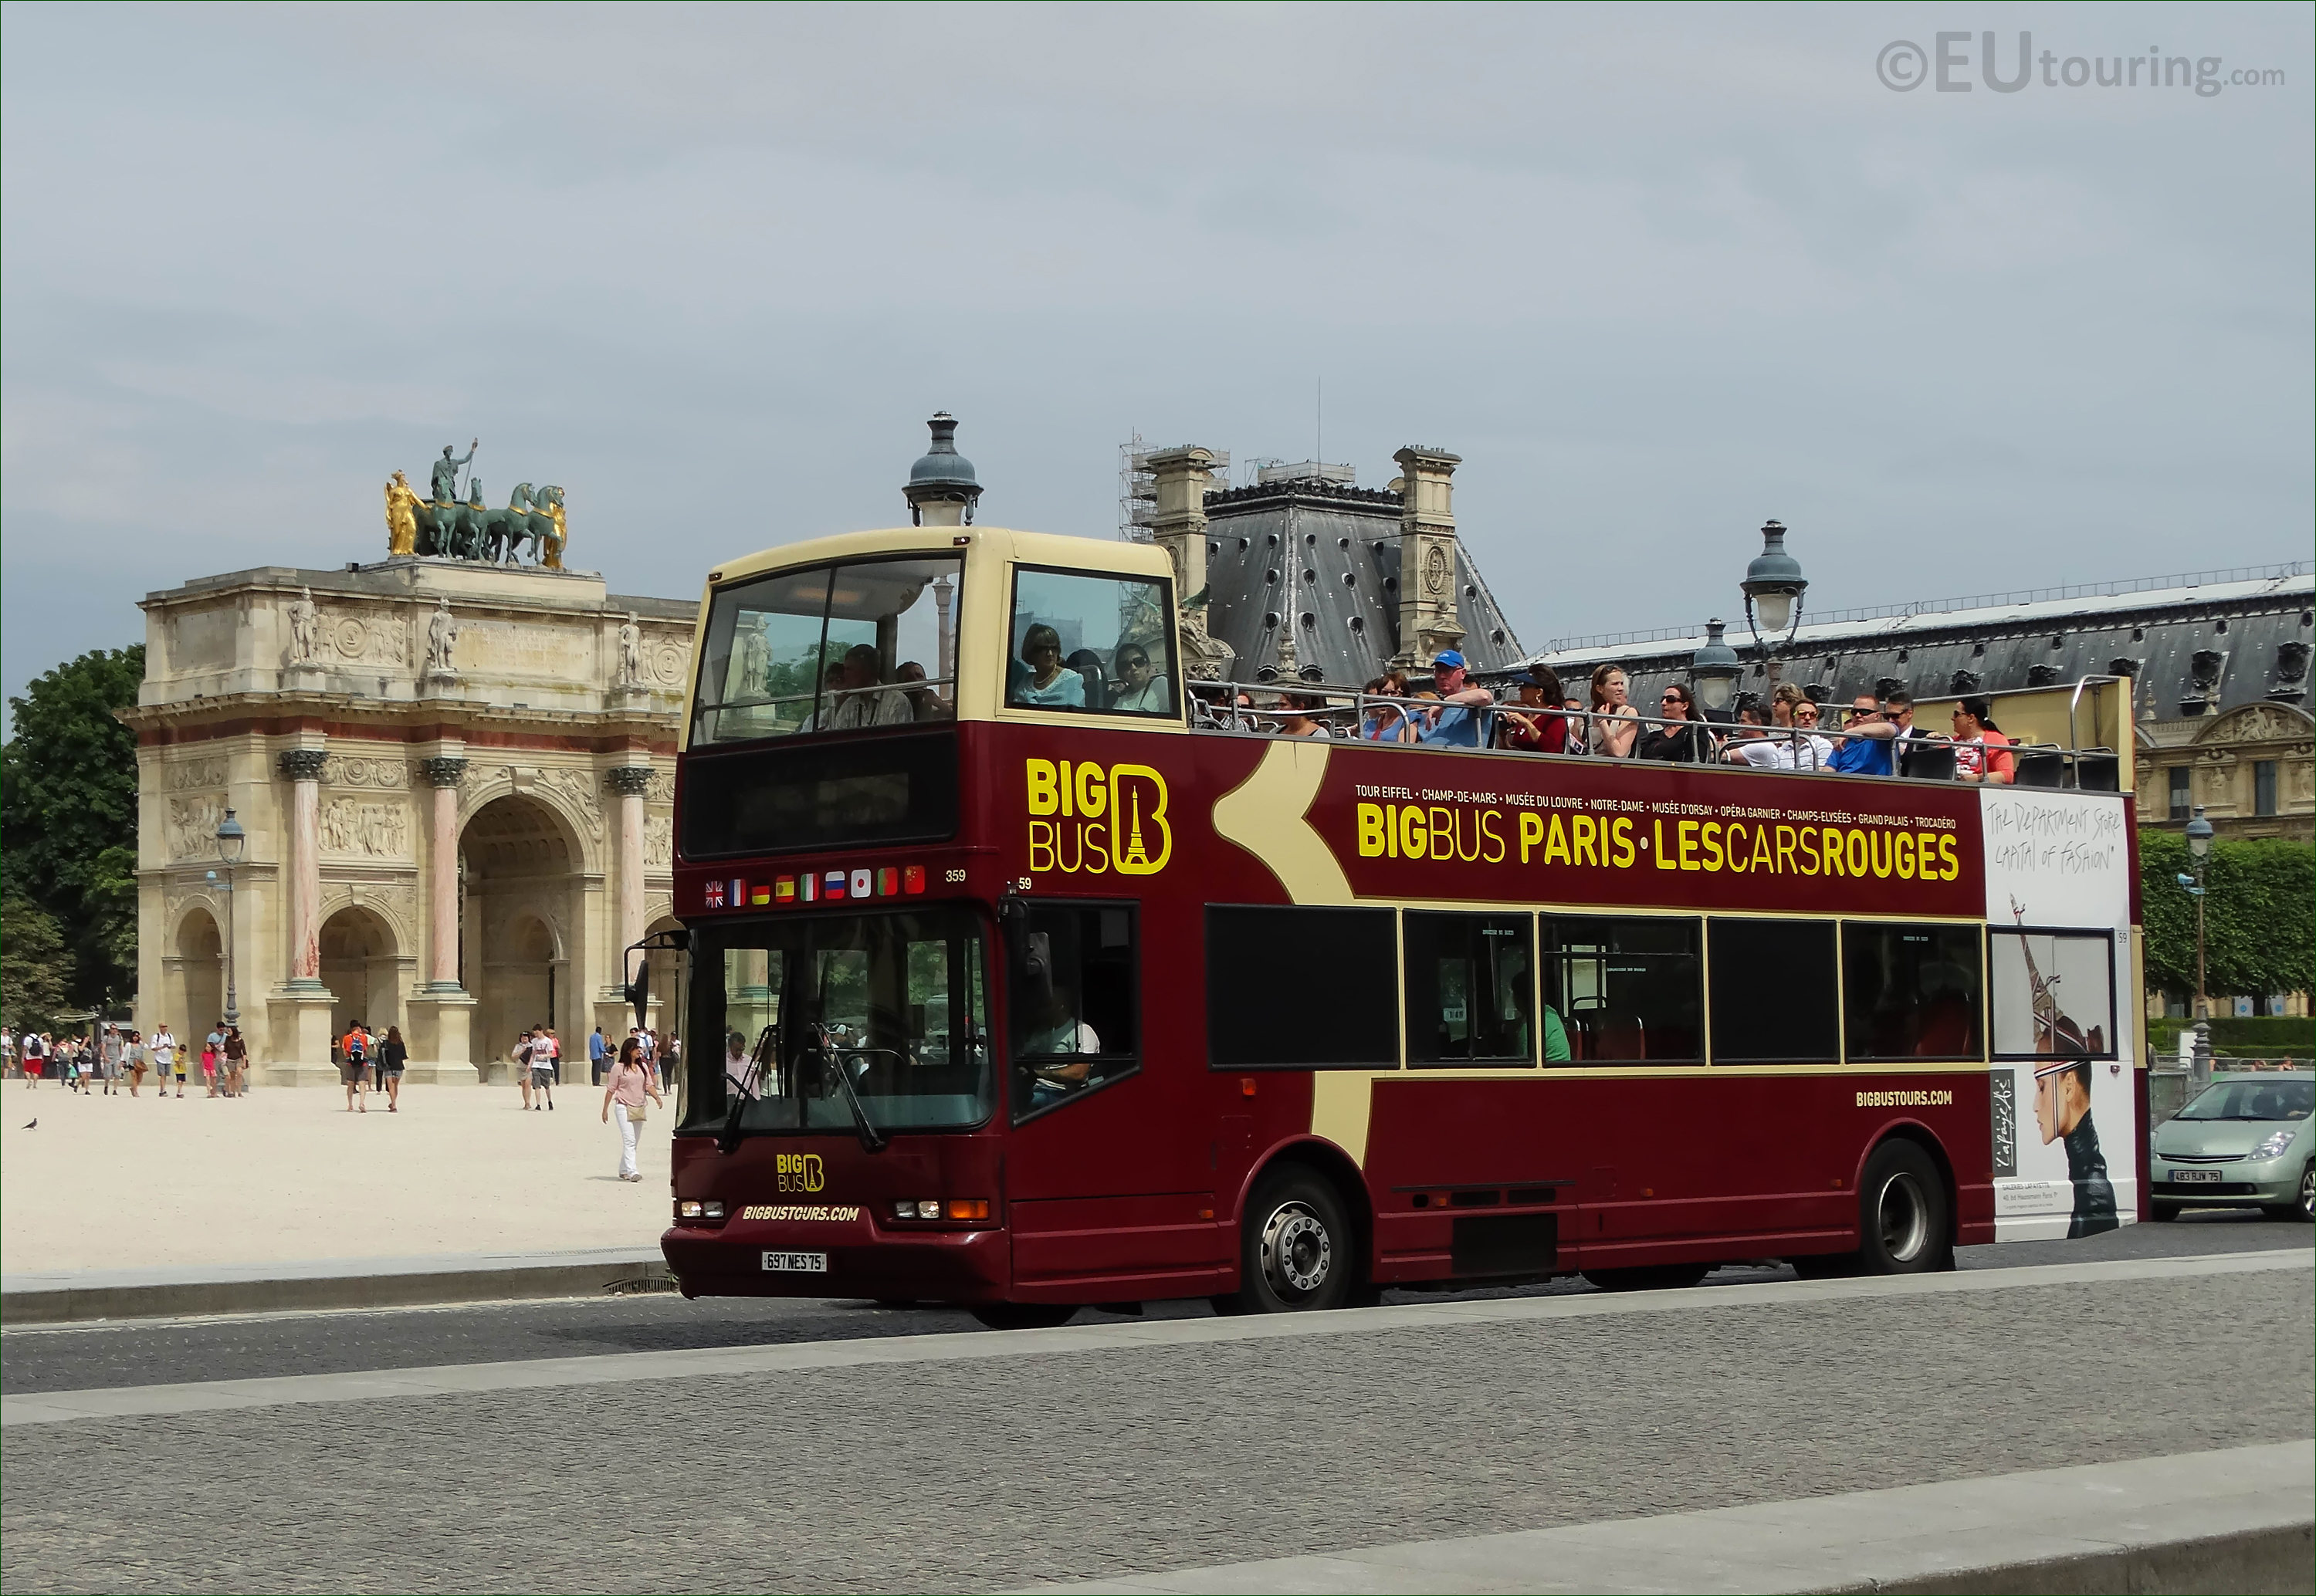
{"type": "Point", "coordinates": [1458, 725]}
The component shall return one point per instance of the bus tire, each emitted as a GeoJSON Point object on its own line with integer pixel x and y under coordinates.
{"type": "Point", "coordinates": [1901, 1211]}
{"type": "Point", "coordinates": [1023, 1316]}
{"type": "Point", "coordinates": [1648, 1277]}
{"type": "Point", "coordinates": [1295, 1251]}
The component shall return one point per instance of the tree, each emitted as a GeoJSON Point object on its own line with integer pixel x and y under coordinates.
{"type": "Point", "coordinates": [68, 817]}
{"type": "Point", "coordinates": [33, 966]}
{"type": "Point", "coordinates": [2260, 916]}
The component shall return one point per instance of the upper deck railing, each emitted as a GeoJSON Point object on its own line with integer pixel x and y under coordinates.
{"type": "Point", "coordinates": [1320, 709]}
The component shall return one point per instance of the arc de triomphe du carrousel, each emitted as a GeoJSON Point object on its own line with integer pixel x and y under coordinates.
{"type": "Point", "coordinates": [455, 769]}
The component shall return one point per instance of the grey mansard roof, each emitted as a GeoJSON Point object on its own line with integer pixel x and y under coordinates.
{"type": "Point", "coordinates": [1325, 556]}
{"type": "Point", "coordinates": [2191, 647]}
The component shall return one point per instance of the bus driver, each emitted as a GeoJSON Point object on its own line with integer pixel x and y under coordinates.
{"type": "Point", "coordinates": [1058, 1033]}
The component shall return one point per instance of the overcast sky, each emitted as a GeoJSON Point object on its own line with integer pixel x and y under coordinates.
{"type": "Point", "coordinates": [1655, 274]}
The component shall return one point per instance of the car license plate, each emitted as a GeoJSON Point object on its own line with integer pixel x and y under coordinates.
{"type": "Point", "coordinates": [796, 1262]}
{"type": "Point", "coordinates": [2185, 1177]}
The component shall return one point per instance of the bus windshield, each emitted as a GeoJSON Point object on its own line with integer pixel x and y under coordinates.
{"type": "Point", "coordinates": [896, 1002]}
{"type": "Point", "coordinates": [845, 647]}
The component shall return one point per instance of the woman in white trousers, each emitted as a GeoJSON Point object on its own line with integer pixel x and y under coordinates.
{"type": "Point", "coordinates": [624, 1087]}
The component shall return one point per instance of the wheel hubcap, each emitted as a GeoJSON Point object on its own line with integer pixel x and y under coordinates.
{"type": "Point", "coordinates": [2308, 1190]}
{"type": "Point", "coordinates": [1904, 1218]}
{"type": "Point", "coordinates": [1297, 1250]}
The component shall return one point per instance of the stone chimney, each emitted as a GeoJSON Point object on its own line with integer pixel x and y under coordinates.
{"type": "Point", "coordinates": [1427, 557]}
{"type": "Point", "coordinates": [1181, 478]}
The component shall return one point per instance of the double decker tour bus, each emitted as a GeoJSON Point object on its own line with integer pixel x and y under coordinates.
{"type": "Point", "coordinates": [1011, 982]}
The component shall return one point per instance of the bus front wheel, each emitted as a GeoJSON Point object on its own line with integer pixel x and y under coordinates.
{"type": "Point", "coordinates": [1901, 1212]}
{"type": "Point", "coordinates": [1297, 1250]}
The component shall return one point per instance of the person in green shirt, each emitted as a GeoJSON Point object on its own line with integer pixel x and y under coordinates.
{"type": "Point", "coordinates": [1556, 1038]}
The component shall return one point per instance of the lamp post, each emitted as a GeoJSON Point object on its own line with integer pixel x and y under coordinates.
{"type": "Point", "coordinates": [231, 839]}
{"type": "Point", "coordinates": [2199, 851]}
{"type": "Point", "coordinates": [1714, 670]}
{"type": "Point", "coordinates": [1773, 587]}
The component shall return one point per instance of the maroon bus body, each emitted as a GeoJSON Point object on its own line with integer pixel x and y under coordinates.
{"type": "Point", "coordinates": [1136, 1191]}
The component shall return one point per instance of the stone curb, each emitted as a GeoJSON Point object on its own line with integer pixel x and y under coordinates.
{"type": "Point", "coordinates": [293, 1292]}
{"type": "Point", "coordinates": [2280, 1558]}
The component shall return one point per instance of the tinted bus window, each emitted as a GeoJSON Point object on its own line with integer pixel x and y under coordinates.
{"type": "Point", "coordinates": [1302, 989]}
{"type": "Point", "coordinates": [843, 794]}
{"type": "Point", "coordinates": [1773, 992]}
{"type": "Point", "coordinates": [831, 648]}
{"type": "Point", "coordinates": [1073, 1001]}
{"type": "Point", "coordinates": [1470, 989]}
{"type": "Point", "coordinates": [1625, 990]}
{"type": "Point", "coordinates": [1096, 644]}
{"type": "Point", "coordinates": [1910, 991]}
{"type": "Point", "coordinates": [897, 1002]}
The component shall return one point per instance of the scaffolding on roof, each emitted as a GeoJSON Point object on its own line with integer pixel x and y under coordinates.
{"type": "Point", "coordinates": [1137, 487]}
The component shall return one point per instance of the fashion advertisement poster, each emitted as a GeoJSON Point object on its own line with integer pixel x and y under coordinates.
{"type": "Point", "coordinates": [2065, 1122]}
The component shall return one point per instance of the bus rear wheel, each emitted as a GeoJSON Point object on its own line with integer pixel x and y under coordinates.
{"type": "Point", "coordinates": [1023, 1316]}
{"type": "Point", "coordinates": [1901, 1212]}
{"type": "Point", "coordinates": [1295, 1253]}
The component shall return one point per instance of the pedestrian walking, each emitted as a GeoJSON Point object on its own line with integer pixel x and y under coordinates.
{"type": "Point", "coordinates": [599, 1053]}
{"type": "Point", "coordinates": [542, 1065]}
{"type": "Point", "coordinates": [554, 1052]}
{"type": "Point", "coordinates": [237, 1063]}
{"type": "Point", "coordinates": [624, 1093]}
{"type": "Point", "coordinates": [391, 1056]}
{"type": "Point", "coordinates": [115, 1047]}
{"type": "Point", "coordinates": [519, 1057]}
{"type": "Point", "coordinates": [36, 1058]}
{"type": "Point", "coordinates": [132, 1055]}
{"type": "Point", "coordinates": [210, 1062]}
{"type": "Point", "coordinates": [671, 1065]}
{"type": "Point", "coordinates": [168, 1059]}
{"type": "Point", "coordinates": [354, 1068]}
{"type": "Point", "coordinates": [8, 1065]}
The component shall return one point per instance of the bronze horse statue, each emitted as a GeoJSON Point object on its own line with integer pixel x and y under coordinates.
{"type": "Point", "coordinates": [474, 531]}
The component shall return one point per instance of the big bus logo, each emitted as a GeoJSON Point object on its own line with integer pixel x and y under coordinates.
{"type": "Point", "coordinates": [799, 1172]}
{"type": "Point", "coordinates": [1089, 819]}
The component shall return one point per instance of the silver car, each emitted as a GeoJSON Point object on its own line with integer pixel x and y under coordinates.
{"type": "Point", "coordinates": [2242, 1141]}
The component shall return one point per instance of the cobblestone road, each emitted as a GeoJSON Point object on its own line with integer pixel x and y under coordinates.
{"type": "Point", "coordinates": [995, 1473]}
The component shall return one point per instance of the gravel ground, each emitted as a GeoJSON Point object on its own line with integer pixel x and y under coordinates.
{"type": "Point", "coordinates": [996, 1473]}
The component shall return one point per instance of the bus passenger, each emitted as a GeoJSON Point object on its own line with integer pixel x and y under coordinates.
{"type": "Point", "coordinates": [1556, 1038]}
{"type": "Point", "coordinates": [1532, 733]}
{"type": "Point", "coordinates": [1386, 723]}
{"type": "Point", "coordinates": [862, 701]}
{"type": "Point", "coordinates": [1981, 749]}
{"type": "Point", "coordinates": [1048, 684]}
{"type": "Point", "coordinates": [1140, 688]}
{"type": "Point", "coordinates": [1458, 725]}
{"type": "Point", "coordinates": [1616, 725]}
{"type": "Point", "coordinates": [1682, 740]}
{"type": "Point", "coordinates": [1297, 721]}
{"type": "Point", "coordinates": [1867, 740]}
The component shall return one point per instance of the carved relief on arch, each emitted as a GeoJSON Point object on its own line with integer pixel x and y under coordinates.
{"type": "Point", "coordinates": [2260, 723]}
{"type": "Point", "coordinates": [395, 902]}
{"type": "Point", "coordinates": [180, 902]}
{"type": "Point", "coordinates": [184, 776]}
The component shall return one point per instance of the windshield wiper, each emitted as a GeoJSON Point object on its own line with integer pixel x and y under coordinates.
{"type": "Point", "coordinates": [871, 1139]}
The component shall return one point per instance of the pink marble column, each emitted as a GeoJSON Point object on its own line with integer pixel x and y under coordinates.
{"type": "Point", "coordinates": [630, 781]}
{"type": "Point", "coordinates": [303, 767]}
{"type": "Point", "coordinates": [442, 845]}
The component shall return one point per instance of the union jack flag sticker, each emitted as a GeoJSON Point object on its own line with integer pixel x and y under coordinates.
{"type": "Point", "coordinates": [715, 895]}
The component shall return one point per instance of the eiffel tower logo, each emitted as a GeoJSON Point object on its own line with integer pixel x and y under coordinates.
{"type": "Point", "coordinates": [1136, 854]}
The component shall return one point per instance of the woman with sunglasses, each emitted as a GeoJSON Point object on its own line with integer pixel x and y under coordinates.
{"type": "Point", "coordinates": [1048, 683]}
{"type": "Point", "coordinates": [1386, 723]}
{"type": "Point", "coordinates": [1141, 690]}
{"type": "Point", "coordinates": [1682, 740]}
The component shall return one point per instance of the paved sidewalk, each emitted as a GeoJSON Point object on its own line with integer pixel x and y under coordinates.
{"type": "Point", "coordinates": [286, 1175]}
{"type": "Point", "coordinates": [2238, 1519]}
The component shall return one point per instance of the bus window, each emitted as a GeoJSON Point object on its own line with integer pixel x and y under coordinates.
{"type": "Point", "coordinates": [897, 1002]}
{"type": "Point", "coordinates": [2053, 993]}
{"type": "Point", "coordinates": [1073, 1002]}
{"type": "Point", "coordinates": [1471, 985]}
{"type": "Point", "coordinates": [1100, 644]}
{"type": "Point", "coordinates": [1301, 988]}
{"type": "Point", "coordinates": [829, 648]}
{"type": "Point", "coordinates": [1910, 991]}
{"type": "Point", "coordinates": [1773, 990]}
{"type": "Point", "coordinates": [1626, 990]}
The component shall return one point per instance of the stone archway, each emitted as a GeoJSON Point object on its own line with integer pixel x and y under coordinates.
{"type": "Point", "coordinates": [520, 900]}
{"type": "Point", "coordinates": [194, 998]}
{"type": "Point", "coordinates": [360, 967]}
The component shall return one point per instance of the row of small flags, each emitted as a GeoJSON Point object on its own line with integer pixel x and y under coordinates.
{"type": "Point", "coordinates": [829, 886]}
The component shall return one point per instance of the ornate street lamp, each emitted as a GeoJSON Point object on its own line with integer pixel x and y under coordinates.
{"type": "Point", "coordinates": [1773, 585]}
{"type": "Point", "coordinates": [231, 839]}
{"type": "Point", "coordinates": [2199, 850]}
{"type": "Point", "coordinates": [1713, 669]}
